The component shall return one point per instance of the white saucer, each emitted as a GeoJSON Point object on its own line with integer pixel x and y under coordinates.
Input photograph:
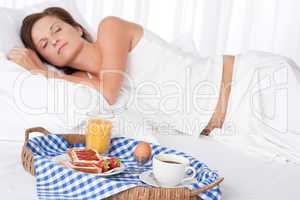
{"type": "Point", "coordinates": [148, 178]}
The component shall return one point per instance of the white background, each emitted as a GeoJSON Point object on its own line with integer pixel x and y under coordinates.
{"type": "Point", "coordinates": [216, 26]}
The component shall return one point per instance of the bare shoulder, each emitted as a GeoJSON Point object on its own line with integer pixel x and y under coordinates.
{"type": "Point", "coordinates": [119, 25]}
{"type": "Point", "coordinates": [114, 30]}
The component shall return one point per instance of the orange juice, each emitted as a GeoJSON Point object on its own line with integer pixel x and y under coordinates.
{"type": "Point", "coordinates": [98, 134]}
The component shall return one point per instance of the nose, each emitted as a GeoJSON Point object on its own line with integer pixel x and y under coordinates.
{"type": "Point", "coordinates": [54, 42]}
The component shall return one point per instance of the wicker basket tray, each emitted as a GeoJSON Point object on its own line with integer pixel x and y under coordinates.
{"type": "Point", "coordinates": [137, 193]}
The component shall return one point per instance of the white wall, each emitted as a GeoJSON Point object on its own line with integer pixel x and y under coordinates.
{"type": "Point", "coordinates": [216, 26]}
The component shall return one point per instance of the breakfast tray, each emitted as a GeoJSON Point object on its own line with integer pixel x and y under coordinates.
{"type": "Point", "coordinates": [145, 193]}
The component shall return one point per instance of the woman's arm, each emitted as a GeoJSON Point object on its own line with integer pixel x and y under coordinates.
{"type": "Point", "coordinates": [27, 59]}
{"type": "Point", "coordinates": [115, 36]}
{"type": "Point", "coordinates": [219, 114]}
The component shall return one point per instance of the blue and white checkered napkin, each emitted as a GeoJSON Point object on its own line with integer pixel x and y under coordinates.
{"type": "Point", "coordinates": [56, 182]}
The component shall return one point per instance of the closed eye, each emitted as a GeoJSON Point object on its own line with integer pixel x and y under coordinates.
{"type": "Point", "coordinates": [57, 29]}
{"type": "Point", "coordinates": [45, 44]}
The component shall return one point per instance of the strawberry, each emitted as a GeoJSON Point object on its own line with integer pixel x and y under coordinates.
{"type": "Point", "coordinates": [103, 165]}
{"type": "Point", "coordinates": [114, 162]}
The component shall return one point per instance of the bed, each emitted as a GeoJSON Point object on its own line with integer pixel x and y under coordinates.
{"type": "Point", "coordinates": [246, 177]}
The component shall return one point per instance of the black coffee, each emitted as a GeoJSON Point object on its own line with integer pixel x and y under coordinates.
{"type": "Point", "coordinates": [170, 161]}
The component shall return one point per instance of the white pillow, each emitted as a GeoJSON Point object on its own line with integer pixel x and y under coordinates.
{"type": "Point", "coordinates": [10, 37]}
{"type": "Point", "coordinates": [60, 106]}
{"type": "Point", "coordinates": [32, 100]}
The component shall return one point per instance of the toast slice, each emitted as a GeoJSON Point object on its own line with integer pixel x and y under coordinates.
{"type": "Point", "coordinates": [83, 155]}
{"type": "Point", "coordinates": [83, 167]}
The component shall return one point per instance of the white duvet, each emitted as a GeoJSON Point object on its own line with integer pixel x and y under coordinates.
{"type": "Point", "coordinates": [263, 117]}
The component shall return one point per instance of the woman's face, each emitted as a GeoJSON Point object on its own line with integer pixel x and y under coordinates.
{"type": "Point", "coordinates": [58, 42]}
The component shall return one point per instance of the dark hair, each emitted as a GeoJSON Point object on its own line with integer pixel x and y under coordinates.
{"type": "Point", "coordinates": [58, 12]}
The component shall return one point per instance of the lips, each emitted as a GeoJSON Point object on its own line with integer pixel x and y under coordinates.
{"type": "Point", "coordinates": [61, 47]}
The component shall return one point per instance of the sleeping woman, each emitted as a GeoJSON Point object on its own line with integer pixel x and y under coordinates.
{"type": "Point", "coordinates": [217, 93]}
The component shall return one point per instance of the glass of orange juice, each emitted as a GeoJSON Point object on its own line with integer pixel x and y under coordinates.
{"type": "Point", "coordinates": [98, 134]}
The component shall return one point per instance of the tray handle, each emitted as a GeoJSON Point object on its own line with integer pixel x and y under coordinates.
{"type": "Point", "coordinates": [207, 187]}
{"type": "Point", "coordinates": [35, 129]}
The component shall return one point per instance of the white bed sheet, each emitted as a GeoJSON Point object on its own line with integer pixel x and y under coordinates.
{"type": "Point", "coordinates": [246, 177]}
{"type": "Point", "coordinates": [15, 183]}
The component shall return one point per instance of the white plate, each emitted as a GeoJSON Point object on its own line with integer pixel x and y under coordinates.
{"type": "Point", "coordinates": [117, 170]}
{"type": "Point", "coordinates": [148, 178]}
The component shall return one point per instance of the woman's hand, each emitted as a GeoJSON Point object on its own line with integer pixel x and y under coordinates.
{"type": "Point", "coordinates": [28, 59]}
{"type": "Point", "coordinates": [216, 121]}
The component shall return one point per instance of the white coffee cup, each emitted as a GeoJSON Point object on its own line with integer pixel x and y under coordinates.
{"type": "Point", "coordinates": [170, 170]}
